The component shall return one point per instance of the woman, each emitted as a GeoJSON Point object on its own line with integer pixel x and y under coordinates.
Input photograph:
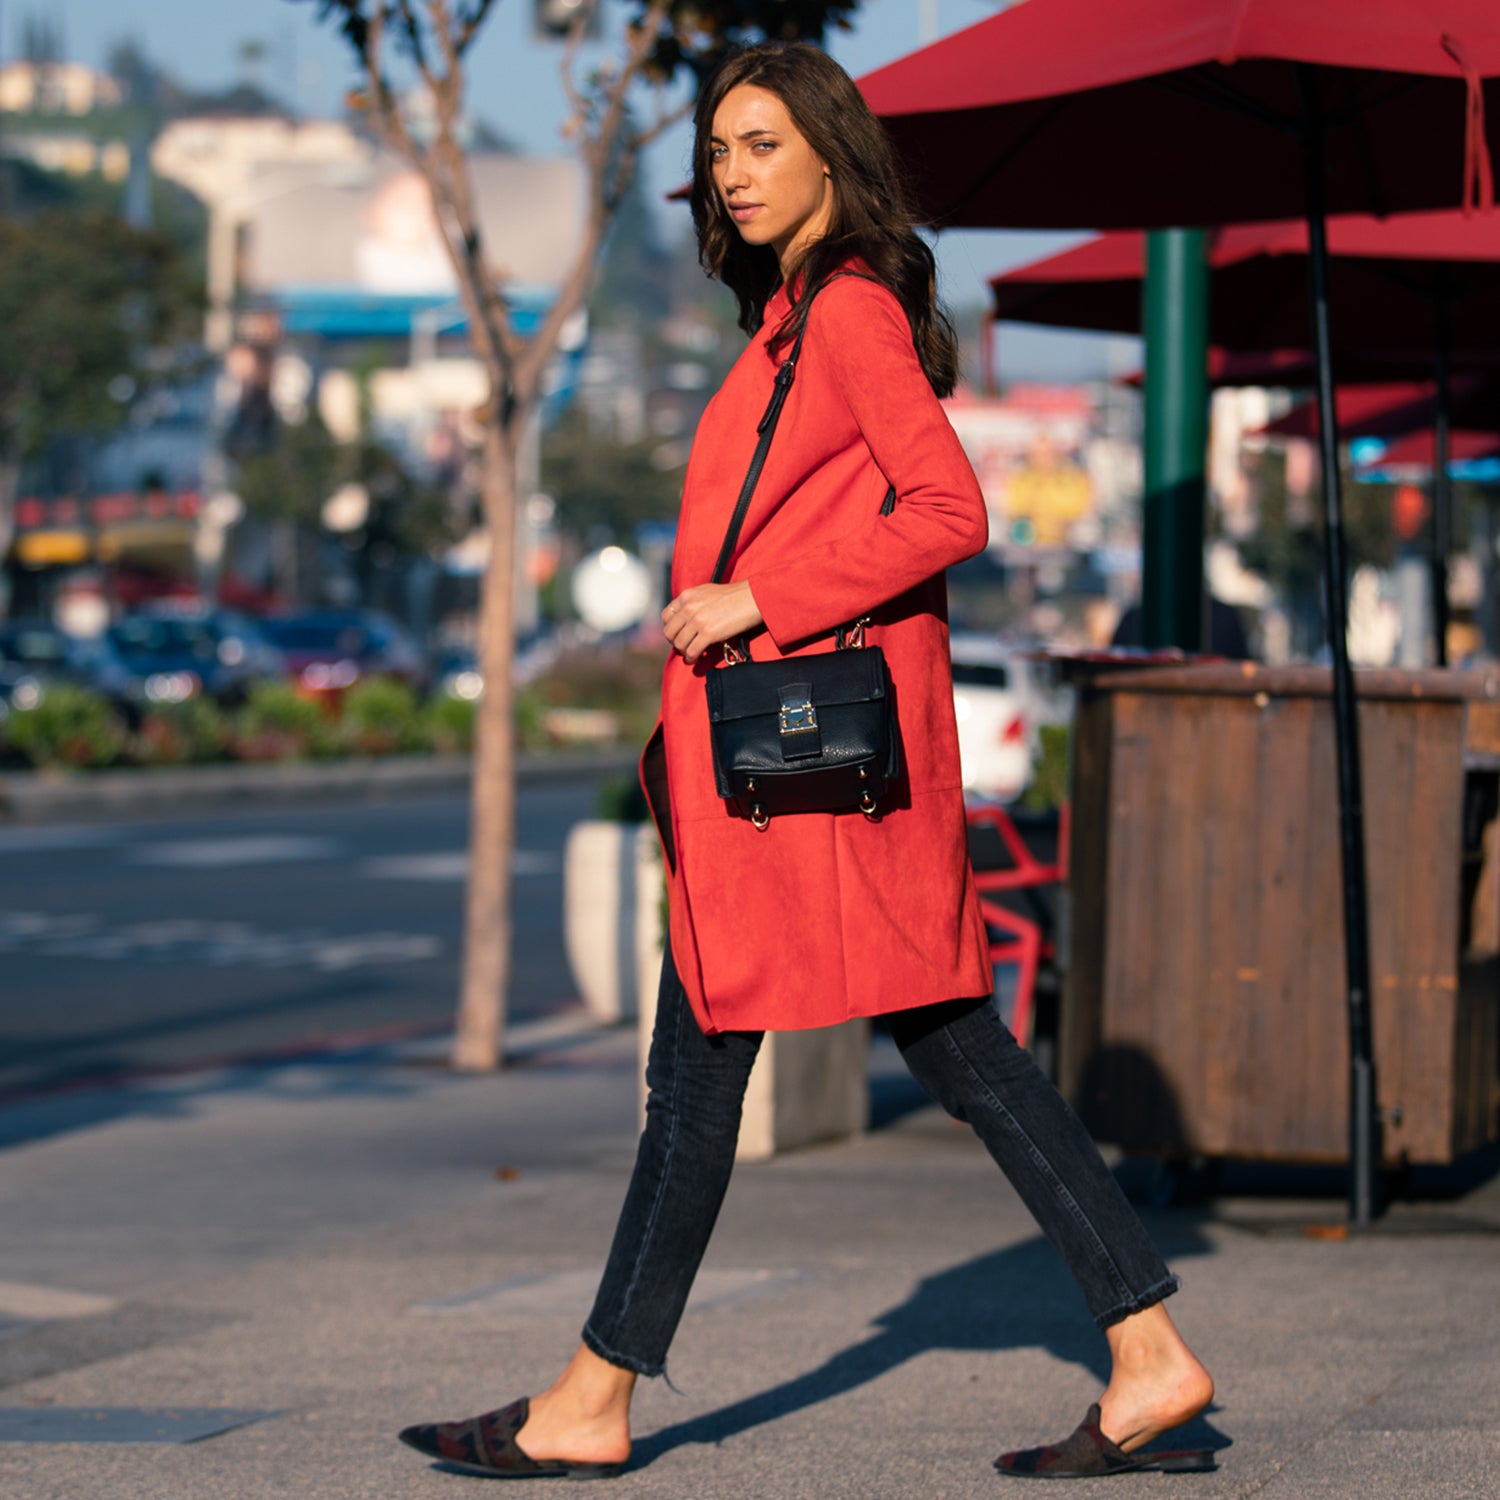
{"type": "Point", "coordinates": [822, 916]}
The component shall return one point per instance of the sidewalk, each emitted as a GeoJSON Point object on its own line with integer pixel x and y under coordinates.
{"type": "Point", "coordinates": [360, 1241]}
{"type": "Point", "coordinates": [47, 796]}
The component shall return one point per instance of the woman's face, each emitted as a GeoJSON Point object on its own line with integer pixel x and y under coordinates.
{"type": "Point", "coordinates": [773, 184]}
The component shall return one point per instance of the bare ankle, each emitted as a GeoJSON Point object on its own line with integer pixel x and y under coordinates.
{"type": "Point", "coordinates": [584, 1415]}
{"type": "Point", "coordinates": [1156, 1381]}
{"type": "Point", "coordinates": [597, 1386]}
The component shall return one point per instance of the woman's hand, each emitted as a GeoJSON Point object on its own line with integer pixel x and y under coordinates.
{"type": "Point", "coordinates": [708, 614]}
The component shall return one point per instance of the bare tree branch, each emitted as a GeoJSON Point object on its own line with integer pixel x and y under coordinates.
{"type": "Point", "coordinates": [567, 65]}
{"type": "Point", "coordinates": [444, 167]}
{"type": "Point", "coordinates": [382, 100]}
{"type": "Point", "coordinates": [413, 29]}
{"type": "Point", "coordinates": [663, 123]}
{"type": "Point", "coordinates": [442, 27]}
{"type": "Point", "coordinates": [471, 25]}
{"type": "Point", "coordinates": [610, 150]}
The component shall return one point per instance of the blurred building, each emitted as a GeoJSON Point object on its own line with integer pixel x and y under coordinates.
{"type": "Point", "coordinates": [62, 88]}
{"type": "Point", "coordinates": [329, 288]}
{"type": "Point", "coordinates": [1059, 466]}
{"type": "Point", "coordinates": [36, 97]}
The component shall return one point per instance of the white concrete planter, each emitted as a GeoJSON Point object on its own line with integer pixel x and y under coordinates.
{"type": "Point", "coordinates": [612, 887]}
{"type": "Point", "coordinates": [806, 1086]}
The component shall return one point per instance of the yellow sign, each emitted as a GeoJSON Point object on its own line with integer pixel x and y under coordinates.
{"type": "Point", "coordinates": [51, 549]}
{"type": "Point", "coordinates": [1053, 496]}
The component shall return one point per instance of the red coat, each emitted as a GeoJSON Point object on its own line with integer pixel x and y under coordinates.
{"type": "Point", "coordinates": [823, 917]}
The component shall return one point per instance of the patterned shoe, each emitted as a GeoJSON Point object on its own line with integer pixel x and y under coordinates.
{"type": "Point", "coordinates": [1086, 1453]}
{"type": "Point", "coordinates": [487, 1445]}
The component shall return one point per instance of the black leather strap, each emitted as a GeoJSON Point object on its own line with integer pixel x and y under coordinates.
{"type": "Point", "coordinates": [767, 429]}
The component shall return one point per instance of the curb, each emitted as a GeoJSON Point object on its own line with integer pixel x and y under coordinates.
{"type": "Point", "coordinates": [40, 797]}
{"type": "Point", "coordinates": [418, 1043]}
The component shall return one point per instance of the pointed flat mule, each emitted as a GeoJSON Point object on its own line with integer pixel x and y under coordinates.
{"type": "Point", "coordinates": [1086, 1453]}
{"type": "Point", "coordinates": [487, 1445]}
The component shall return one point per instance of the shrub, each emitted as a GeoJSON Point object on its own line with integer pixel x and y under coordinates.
{"type": "Point", "coordinates": [380, 716]}
{"type": "Point", "coordinates": [531, 718]}
{"type": "Point", "coordinates": [621, 800]}
{"type": "Point", "coordinates": [1048, 787]}
{"type": "Point", "coordinates": [180, 733]}
{"type": "Point", "coordinates": [276, 724]}
{"type": "Point", "coordinates": [69, 727]}
{"type": "Point", "coordinates": [449, 724]}
{"type": "Point", "coordinates": [621, 681]}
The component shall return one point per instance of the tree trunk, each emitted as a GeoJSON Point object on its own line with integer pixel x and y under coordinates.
{"type": "Point", "coordinates": [479, 1032]}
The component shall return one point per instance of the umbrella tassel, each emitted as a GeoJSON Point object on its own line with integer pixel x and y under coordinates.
{"type": "Point", "coordinates": [1479, 179]}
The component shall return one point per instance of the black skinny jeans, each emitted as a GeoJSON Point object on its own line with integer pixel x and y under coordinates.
{"type": "Point", "coordinates": [963, 1056]}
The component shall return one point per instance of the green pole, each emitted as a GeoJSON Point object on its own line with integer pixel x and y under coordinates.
{"type": "Point", "coordinates": [1174, 320]}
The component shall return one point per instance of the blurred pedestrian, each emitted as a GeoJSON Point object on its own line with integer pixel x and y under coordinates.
{"type": "Point", "coordinates": [864, 500]}
{"type": "Point", "coordinates": [1225, 635]}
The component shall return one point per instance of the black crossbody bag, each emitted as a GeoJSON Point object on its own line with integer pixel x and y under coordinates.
{"type": "Point", "coordinates": [806, 733]}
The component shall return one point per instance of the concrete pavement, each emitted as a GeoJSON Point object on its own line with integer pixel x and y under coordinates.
{"type": "Point", "coordinates": [353, 1242]}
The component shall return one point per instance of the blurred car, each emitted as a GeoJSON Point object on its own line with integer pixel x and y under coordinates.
{"type": "Point", "coordinates": [1001, 699]}
{"type": "Point", "coordinates": [328, 650]}
{"type": "Point", "coordinates": [19, 691]}
{"type": "Point", "coordinates": [455, 665]}
{"type": "Point", "coordinates": [35, 653]}
{"type": "Point", "coordinates": [456, 674]}
{"type": "Point", "coordinates": [173, 652]}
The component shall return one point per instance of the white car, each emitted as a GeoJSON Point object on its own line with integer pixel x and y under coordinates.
{"type": "Point", "coordinates": [1001, 700]}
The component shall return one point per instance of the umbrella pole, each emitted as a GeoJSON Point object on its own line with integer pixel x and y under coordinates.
{"type": "Point", "coordinates": [1364, 1136]}
{"type": "Point", "coordinates": [1442, 485]}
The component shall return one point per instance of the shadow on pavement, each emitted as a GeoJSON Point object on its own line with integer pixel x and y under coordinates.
{"type": "Point", "coordinates": [173, 1095]}
{"type": "Point", "coordinates": [392, 1062]}
{"type": "Point", "coordinates": [1016, 1298]}
{"type": "Point", "coordinates": [102, 1057]}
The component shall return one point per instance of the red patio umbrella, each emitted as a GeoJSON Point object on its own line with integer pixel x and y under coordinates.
{"type": "Point", "coordinates": [1418, 450]}
{"type": "Point", "coordinates": [1392, 277]}
{"type": "Point", "coordinates": [1072, 114]}
{"type": "Point", "coordinates": [1294, 368]}
{"type": "Point", "coordinates": [1394, 410]}
{"type": "Point", "coordinates": [1064, 113]}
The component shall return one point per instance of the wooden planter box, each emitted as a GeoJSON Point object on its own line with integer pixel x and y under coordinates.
{"type": "Point", "coordinates": [1204, 1001]}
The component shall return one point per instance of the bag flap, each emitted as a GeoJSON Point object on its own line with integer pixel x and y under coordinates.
{"type": "Point", "coordinates": [754, 688]}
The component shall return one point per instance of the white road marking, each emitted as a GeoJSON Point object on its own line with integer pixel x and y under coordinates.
{"type": "Point", "coordinates": [17, 927]}
{"type": "Point", "coordinates": [452, 864]}
{"type": "Point", "coordinates": [37, 1303]}
{"type": "Point", "coordinates": [218, 944]}
{"type": "Point", "coordinates": [227, 853]}
{"type": "Point", "coordinates": [42, 840]}
{"type": "Point", "coordinates": [446, 864]}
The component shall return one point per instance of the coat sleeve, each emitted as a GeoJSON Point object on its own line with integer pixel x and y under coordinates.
{"type": "Point", "coordinates": [865, 341]}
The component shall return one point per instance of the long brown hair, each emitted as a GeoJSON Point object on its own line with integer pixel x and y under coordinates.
{"type": "Point", "coordinates": [871, 218]}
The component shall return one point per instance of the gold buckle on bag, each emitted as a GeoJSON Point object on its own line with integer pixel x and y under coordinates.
{"type": "Point", "coordinates": [797, 716]}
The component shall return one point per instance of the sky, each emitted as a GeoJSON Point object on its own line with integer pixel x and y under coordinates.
{"type": "Point", "coordinates": [514, 85]}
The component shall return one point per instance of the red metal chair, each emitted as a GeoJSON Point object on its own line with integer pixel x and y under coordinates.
{"type": "Point", "coordinates": [1025, 943]}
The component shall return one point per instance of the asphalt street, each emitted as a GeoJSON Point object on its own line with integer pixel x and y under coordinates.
{"type": "Point", "coordinates": [146, 943]}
